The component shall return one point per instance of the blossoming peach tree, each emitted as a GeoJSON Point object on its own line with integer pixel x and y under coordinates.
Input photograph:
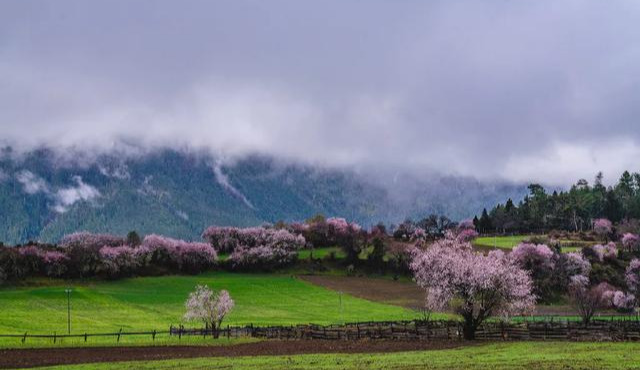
{"type": "Point", "coordinates": [209, 307]}
{"type": "Point", "coordinates": [474, 285]}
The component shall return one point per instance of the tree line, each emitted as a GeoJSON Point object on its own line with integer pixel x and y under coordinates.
{"type": "Point", "coordinates": [572, 210]}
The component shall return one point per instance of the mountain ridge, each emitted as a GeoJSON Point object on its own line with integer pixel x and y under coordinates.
{"type": "Point", "coordinates": [179, 193]}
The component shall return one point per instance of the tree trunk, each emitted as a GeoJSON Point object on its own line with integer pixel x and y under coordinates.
{"type": "Point", "coordinates": [469, 329]}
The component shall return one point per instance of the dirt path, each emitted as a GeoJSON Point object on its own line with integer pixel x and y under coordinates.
{"type": "Point", "coordinates": [399, 293]}
{"type": "Point", "coordinates": [13, 358]}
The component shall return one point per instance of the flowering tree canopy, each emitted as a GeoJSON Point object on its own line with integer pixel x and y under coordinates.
{"type": "Point", "coordinates": [208, 306]}
{"type": "Point", "coordinates": [631, 241]}
{"type": "Point", "coordinates": [539, 260]}
{"type": "Point", "coordinates": [587, 299]}
{"type": "Point", "coordinates": [474, 285]}
{"type": "Point", "coordinates": [609, 251]}
{"type": "Point", "coordinates": [602, 226]}
{"type": "Point", "coordinates": [86, 239]}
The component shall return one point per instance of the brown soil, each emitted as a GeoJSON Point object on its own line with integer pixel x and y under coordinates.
{"type": "Point", "coordinates": [13, 358]}
{"type": "Point", "coordinates": [399, 293]}
{"type": "Point", "coordinates": [406, 294]}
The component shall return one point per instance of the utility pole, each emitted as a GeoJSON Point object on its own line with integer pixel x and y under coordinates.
{"type": "Point", "coordinates": [340, 299]}
{"type": "Point", "coordinates": [68, 291]}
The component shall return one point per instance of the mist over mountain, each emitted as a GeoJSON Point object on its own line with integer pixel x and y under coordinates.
{"type": "Point", "coordinates": [45, 194]}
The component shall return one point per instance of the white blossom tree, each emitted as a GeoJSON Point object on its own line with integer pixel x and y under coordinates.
{"type": "Point", "coordinates": [209, 307]}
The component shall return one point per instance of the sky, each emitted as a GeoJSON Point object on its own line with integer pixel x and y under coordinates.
{"type": "Point", "coordinates": [545, 91]}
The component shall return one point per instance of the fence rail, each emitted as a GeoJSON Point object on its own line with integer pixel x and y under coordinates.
{"type": "Point", "coordinates": [596, 330]}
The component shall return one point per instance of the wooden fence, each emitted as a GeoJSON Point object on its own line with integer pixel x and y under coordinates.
{"type": "Point", "coordinates": [597, 330]}
{"type": "Point", "coordinates": [55, 337]}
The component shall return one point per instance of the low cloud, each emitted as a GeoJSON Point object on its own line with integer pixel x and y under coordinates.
{"type": "Point", "coordinates": [32, 183]}
{"type": "Point", "coordinates": [66, 197]}
{"type": "Point", "coordinates": [62, 198]}
{"type": "Point", "coordinates": [523, 91]}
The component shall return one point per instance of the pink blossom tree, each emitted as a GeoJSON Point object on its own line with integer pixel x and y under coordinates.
{"type": "Point", "coordinates": [118, 261]}
{"type": "Point", "coordinates": [86, 239]}
{"type": "Point", "coordinates": [631, 242]}
{"type": "Point", "coordinates": [208, 306]}
{"type": "Point", "coordinates": [474, 285]}
{"type": "Point", "coordinates": [632, 276]}
{"type": "Point", "coordinates": [602, 227]}
{"type": "Point", "coordinates": [539, 260]}
{"type": "Point", "coordinates": [588, 300]}
{"type": "Point", "coordinates": [607, 251]}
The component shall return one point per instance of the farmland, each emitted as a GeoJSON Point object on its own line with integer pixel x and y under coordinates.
{"type": "Point", "coordinates": [510, 241]}
{"type": "Point", "coordinates": [150, 303]}
{"type": "Point", "coordinates": [541, 355]}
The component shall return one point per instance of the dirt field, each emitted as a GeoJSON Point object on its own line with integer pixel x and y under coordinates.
{"type": "Point", "coordinates": [14, 358]}
{"type": "Point", "coordinates": [400, 293]}
{"type": "Point", "coordinates": [406, 294]}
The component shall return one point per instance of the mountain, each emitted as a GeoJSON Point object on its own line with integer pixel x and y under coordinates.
{"type": "Point", "coordinates": [179, 193]}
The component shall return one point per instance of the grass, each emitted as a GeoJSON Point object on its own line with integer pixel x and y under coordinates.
{"type": "Point", "coordinates": [510, 241]}
{"type": "Point", "coordinates": [538, 355]}
{"type": "Point", "coordinates": [320, 253]}
{"type": "Point", "coordinates": [148, 303]}
{"type": "Point", "coordinates": [503, 242]}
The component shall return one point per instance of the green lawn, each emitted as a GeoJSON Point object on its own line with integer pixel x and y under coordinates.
{"type": "Point", "coordinates": [519, 355]}
{"type": "Point", "coordinates": [156, 302]}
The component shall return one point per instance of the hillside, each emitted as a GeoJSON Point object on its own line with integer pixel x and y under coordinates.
{"type": "Point", "coordinates": [180, 193]}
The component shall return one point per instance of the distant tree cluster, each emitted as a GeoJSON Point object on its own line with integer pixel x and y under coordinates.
{"type": "Point", "coordinates": [573, 210]}
{"type": "Point", "coordinates": [84, 254]}
{"type": "Point", "coordinates": [255, 247]}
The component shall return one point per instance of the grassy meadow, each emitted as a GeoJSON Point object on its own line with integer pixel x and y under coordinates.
{"type": "Point", "coordinates": [509, 241]}
{"type": "Point", "coordinates": [518, 355]}
{"type": "Point", "coordinates": [148, 303]}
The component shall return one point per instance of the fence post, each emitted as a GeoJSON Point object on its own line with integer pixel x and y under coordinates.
{"type": "Point", "coordinates": [153, 336]}
{"type": "Point", "coordinates": [54, 337]}
{"type": "Point", "coordinates": [85, 337]}
{"type": "Point", "coordinates": [120, 332]}
{"type": "Point", "coordinates": [24, 338]}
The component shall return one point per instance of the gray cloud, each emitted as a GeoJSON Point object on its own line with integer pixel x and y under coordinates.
{"type": "Point", "coordinates": [32, 183]}
{"type": "Point", "coordinates": [66, 197]}
{"type": "Point", "coordinates": [541, 90]}
{"type": "Point", "coordinates": [62, 198]}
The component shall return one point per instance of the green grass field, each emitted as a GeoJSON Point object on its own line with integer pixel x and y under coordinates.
{"type": "Point", "coordinates": [320, 253]}
{"type": "Point", "coordinates": [537, 355]}
{"type": "Point", "coordinates": [503, 242]}
{"type": "Point", "coordinates": [156, 302]}
{"type": "Point", "coordinates": [508, 242]}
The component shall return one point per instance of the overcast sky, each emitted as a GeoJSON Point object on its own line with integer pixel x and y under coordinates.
{"type": "Point", "coordinates": [519, 90]}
